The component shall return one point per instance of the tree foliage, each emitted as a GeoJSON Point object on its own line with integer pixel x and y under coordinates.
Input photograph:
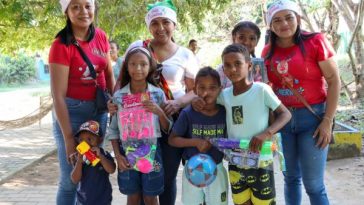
{"type": "Point", "coordinates": [29, 25]}
{"type": "Point", "coordinates": [17, 70]}
{"type": "Point", "coordinates": [32, 24]}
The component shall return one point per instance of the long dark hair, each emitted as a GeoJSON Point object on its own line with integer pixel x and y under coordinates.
{"type": "Point", "coordinates": [66, 34]}
{"type": "Point", "coordinates": [249, 25]}
{"type": "Point", "coordinates": [298, 38]}
{"type": "Point", "coordinates": [125, 78]}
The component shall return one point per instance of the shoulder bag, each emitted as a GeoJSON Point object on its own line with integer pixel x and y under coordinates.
{"type": "Point", "coordinates": [102, 95]}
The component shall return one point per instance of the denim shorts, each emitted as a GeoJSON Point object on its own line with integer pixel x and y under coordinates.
{"type": "Point", "coordinates": [151, 184]}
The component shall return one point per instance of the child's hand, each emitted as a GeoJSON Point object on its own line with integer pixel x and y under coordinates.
{"type": "Point", "coordinates": [112, 108]}
{"type": "Point", "coordinates": [122, 162]}
{"type": "Point", "coordinates": [96, 150]}
{"type": "Point", "coordinates": [78, 159]}
{"type": "Point", "coordinates": [203, 145]}
{"type": "Point", "coordinates": [171, 106]}
{"type": "Point", "coordinates": [198, 104]}
{"type": "Point", "coordinates": [256, 142]}
{"type": "Point", "coordinates": [152, 107]}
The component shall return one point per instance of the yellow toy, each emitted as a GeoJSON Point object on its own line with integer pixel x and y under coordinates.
{"type": "Point", "coordinates": [85, 149]}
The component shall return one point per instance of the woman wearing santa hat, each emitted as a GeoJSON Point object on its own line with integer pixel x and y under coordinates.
{"type": "Point", "coordinates": [305, 78]}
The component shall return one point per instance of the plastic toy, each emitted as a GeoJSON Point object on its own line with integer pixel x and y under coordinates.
{"type": "Point", "coordinates": [201, 170]}
{"type": "Point", "coordinates": [140, 155]}
{"type": "Point", "coordinates": [222, 143]}
{"type": "Point", "coordinates": [237, 152]}
{"type": "Point", "coordinates": [85, 149]}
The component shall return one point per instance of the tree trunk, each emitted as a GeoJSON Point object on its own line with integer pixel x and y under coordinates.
{"type": "Point", "coordinates": [333, 26]}
{"type": "Point", "coordinates": [352, 13]}
{"type": "Point", "coordinates": [359, 78]}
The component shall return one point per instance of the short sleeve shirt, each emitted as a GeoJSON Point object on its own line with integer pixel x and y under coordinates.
{"type": "Point", "coordinates": [182, 64]}
{"type": "Point", "coordinates": [80, 83]}
{"type": "Point", "coordinates": [302, 72]}
{"type": "Point", "coordinates": [95, 187]}
{"type": "Point", "coordinates": [156, 95]}
{"type": "Point", "coordinates": [193, 124]}
{"type": "Point", "coordinates": [247, 113]}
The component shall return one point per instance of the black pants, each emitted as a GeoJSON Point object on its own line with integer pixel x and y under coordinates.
{"type": "Point", "coordinates": [171, 157]}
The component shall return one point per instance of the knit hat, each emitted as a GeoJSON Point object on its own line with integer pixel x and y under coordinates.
{"type": "Point", "coordinates": [164, 9]}
{"type": "Point", "coordinates": [281, 5]}
{"type": "Point", "coordinates": [90, 126]}
{"type": "Point", "coordinates": [65, 3]}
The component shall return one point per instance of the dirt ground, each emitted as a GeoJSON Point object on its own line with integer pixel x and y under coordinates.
{"type": "Point", "coordinates": [344, 178]}
{"type": "Point", "coordinates": [44, 172]}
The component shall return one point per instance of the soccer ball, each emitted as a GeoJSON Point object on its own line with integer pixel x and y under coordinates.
{"type": "Point", "coordinates": [201, 170]}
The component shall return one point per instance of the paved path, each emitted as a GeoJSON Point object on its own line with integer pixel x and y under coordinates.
{"type": "Point", "coordinates": [20, 148]}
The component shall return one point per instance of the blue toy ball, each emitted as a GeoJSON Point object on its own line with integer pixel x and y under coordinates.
{"type": "Point", "coordinates": [201, 170]}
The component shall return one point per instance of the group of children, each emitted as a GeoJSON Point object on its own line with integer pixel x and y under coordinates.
{"type": "Point", "coordinates": [239, 112]}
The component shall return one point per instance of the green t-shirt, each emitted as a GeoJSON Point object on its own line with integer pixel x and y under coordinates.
{"type": "Point", "coordinates": [247, 114]}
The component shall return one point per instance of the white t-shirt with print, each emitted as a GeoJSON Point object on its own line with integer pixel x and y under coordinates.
{"type": "Point", "coordinates": [182, 64]}
{"type": "Point", "coordinates": [247, 113]}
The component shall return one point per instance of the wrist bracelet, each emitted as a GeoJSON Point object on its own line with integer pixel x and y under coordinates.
{"type": "Point", "coordinates": [327, 118]}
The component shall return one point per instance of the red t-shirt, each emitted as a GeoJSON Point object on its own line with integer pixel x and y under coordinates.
{"type": "Point", "coordinates": [80, 83]}
{"type": "Point", "coordinates": [301, 72]}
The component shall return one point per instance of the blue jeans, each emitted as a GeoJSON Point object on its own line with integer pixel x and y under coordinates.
{"type": "Point", "coordinates": [79, 112]}
{"type": "Point", "coordinates": [152, 184]}
{"type": "Point", "coordinates": [304, 161]}
{"type": "Point", "coordinates": [171, 157]}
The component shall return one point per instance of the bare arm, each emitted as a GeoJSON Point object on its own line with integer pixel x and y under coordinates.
{"type": "Point", "coordinates": [190, 84]}
{"type": "Point", "coordinates": [76, 173]}
{"type": "Point", "coordinates": [163, 120]}
{"type": "Point", "coordinates": [123, 164]}
{"type": "Point", "coordinates": [108, 165]}
{"type": "Point", "coordinates": [178, 141]}
{"type": "Point", "coordinates": [187, 98]}
{"type": "Point", "coordinates": [154, 108]}
{"type": "Point", "coordinates": [109, 75]}
{"type": "Point", "coordinates": [282, 117]}
{"type": "Point", "coordinates": [173, 106]}
{"type": "Point", "coordinates": [59, 82]}
{"type": "Point", "coordinates": [331, 75]}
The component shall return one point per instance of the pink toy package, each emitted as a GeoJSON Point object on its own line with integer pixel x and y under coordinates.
{"type": "Point", "coordinates": [136, 121]}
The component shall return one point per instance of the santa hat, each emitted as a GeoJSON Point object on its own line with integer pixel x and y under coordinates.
{"type": "Point", "coordinates": [281, 5]}
{"type": "Point", "coordinates": [65, 3]}
{"type": "Point", "coordinates": [164, 9]}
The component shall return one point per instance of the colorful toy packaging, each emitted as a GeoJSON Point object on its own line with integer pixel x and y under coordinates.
{"type": "Point", "coordinates": [137, 136]}
{"type": "Point", "coordinates": [237, 152]}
